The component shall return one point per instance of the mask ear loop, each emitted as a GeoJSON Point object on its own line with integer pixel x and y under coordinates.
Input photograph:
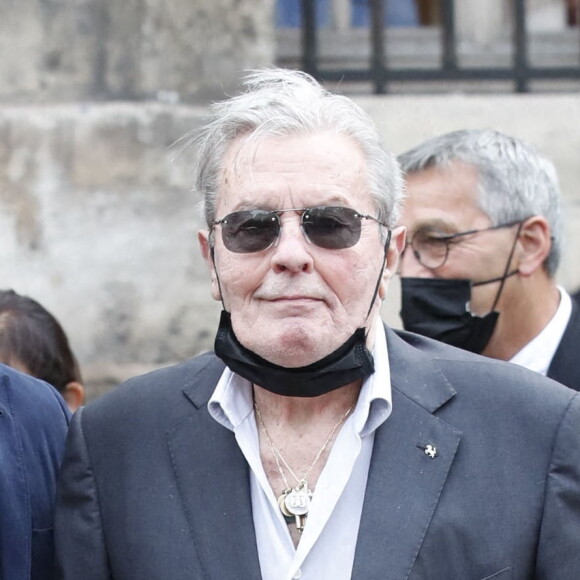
{"type": "Point", "coordinates": [378, 284]}
{"type": "Point", "coordinates": [212, 254]}
{"type": "Point", "coordinates": [506, 273]}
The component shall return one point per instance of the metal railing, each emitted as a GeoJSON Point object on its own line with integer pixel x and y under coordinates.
{"type": "Point", "coordinates": [521, 72]}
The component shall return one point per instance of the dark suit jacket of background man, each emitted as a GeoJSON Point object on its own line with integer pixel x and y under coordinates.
{"type": "Point", "coordinates": [33, 424]}
{"type": "Point", "coordinates": [565, 366]}
{"type": "Point", "coordinates": [161, 491]}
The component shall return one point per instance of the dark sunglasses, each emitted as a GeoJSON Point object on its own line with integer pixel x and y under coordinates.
{"type": "Point", "coordinates": [254, 230]}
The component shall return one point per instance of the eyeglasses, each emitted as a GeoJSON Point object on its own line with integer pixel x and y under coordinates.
{"type": "Point", "coordinates": [329, 227]}
{"type": "Point", "coordinates": [431, 250]}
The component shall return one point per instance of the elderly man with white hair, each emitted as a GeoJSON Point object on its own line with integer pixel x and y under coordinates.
{"type": "Point", "coordinates": [315, 442]}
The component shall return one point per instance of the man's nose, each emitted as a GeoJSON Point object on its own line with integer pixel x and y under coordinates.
{"type": "Point", "coordinates": [411, 267]}
{"type": "Point", "coordinates": [291, 251]}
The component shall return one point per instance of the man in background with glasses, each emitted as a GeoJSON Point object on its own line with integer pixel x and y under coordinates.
{"type": "Point", "coordinates": [484, 238]}
{"type": "Point", "coordinates": [316, 443]}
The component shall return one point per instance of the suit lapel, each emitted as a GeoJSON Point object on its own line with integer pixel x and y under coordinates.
{"type": "Point", "coordinates": [403, 488]}
{"type": "Point", "coordinates": [405, 483]}
{"type": "Point", "coordinates": [213, 481]}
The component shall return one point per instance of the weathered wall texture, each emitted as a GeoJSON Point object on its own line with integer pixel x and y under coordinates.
{"type": "Point", "coordinates": [98, 221]}
{"type": "Point", "coordinates": [187, 50]}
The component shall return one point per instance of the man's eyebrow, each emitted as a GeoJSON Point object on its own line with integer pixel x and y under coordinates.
{"type": "Point", "coordinates": [436, 224]}
{"type": "Point", "coordinates": [336, 199]}
{"type": "Point", "coordinates": [250, 203]}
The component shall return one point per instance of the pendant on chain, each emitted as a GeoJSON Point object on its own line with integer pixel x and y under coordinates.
{"type": "Point", "coordinates": [295, 502]}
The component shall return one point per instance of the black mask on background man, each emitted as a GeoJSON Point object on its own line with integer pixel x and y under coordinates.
{"type": "Point", "coordinates": [439, 308]}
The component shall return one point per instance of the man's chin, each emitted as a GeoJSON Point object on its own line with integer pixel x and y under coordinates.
{"type": "Point", "coordinates": [292, 351]}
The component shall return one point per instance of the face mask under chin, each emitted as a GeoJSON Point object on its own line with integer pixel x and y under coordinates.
{"type": "Point", "coordinates": [350, 362]}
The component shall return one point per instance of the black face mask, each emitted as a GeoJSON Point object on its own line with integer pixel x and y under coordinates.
{"type": "Point", "coordinates": [350, 362]}
{"type": "Point", "coordinates": [439, 309]}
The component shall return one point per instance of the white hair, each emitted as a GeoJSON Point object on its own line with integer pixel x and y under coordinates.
{"type": "Point", "coordinates": [278, 102]}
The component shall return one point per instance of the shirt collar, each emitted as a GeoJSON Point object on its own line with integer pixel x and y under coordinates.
{"type": "Point", "coordinates": [232, 399]}
{"type": "Point", "coordinates": [539, 352]}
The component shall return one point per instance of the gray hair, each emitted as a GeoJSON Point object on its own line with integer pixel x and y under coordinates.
{"type": "Point", "coordinates": [514, 181]}
{"type": "Point", "coordinates": [280, 102]}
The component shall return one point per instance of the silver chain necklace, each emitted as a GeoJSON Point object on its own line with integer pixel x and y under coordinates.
{"type": "Point", "coordinates": [294, 502]}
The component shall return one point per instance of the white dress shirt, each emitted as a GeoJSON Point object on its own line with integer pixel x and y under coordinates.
{"type": "Point", "coordinates": [327, 545]}
{"type": "Point", "coordinates": [539, 352]}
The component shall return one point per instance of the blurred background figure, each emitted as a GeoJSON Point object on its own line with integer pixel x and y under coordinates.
{"type": "Point", "coordinates": [400, 13]}
{"type": "Point", "coordinates": [33, 341]}
{"type": "Point", "coordinates": [33, 426]}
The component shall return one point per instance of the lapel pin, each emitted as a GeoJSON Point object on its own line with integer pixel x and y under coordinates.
{"type": "Point", "coordinates": [429, 450]}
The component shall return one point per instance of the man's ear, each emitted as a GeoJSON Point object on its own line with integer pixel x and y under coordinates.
{"type": "Point", "coordinates": [74, 395]}
{"type": "Point", "coordinates": [207, 251]}
{"type": "Point", "coordinates": [534, 244]}
{"type": "Point", "coordinates": [396, 247]}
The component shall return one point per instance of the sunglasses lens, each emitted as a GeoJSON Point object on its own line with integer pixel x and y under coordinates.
{"type": "Point", "coordinates": [250, 231]}
{"type": "Point", "coordinates": [333, 228]}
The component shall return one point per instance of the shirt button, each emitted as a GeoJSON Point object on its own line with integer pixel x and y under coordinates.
{"type": "Point", "coordinates": [297, 574]}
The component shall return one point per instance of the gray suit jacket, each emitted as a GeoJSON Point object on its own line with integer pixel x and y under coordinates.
{"type": "Point", "coordinates": [153, 488]}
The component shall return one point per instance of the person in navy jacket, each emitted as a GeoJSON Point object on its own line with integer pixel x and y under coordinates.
{"type": "Point", "coordinates": [33, 424]}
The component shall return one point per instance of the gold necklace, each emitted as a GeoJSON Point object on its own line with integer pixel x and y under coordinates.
{"type": "Point", "coordinates": [294, 502]}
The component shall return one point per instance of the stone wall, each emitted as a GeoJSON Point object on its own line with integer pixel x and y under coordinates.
{"type": "Point", "coordinates": [98, 221]}
{"type": "Point", "coordinates": [170, 50]}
